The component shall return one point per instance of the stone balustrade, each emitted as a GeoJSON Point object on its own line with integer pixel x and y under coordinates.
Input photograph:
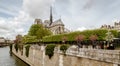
{"type": "Point", "coordinates": [84, 56]}
{"type": "Point", "coordinates": [112, 56]}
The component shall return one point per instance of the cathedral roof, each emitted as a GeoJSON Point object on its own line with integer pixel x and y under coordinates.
{"type": "Point", "coordinates": [57, 22]}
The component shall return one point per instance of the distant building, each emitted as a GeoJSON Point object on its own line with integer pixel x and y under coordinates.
{"type": "Point", "coordinates": [116, 26]}
{"type": "Point", "coordinates": [2, 40]}
{"type": "Point", "coordinates": [57, 27]}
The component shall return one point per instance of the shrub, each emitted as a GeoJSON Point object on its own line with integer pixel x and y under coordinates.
{"type": "Point", "coordinates": [49, 50]}
{"type": "Point", "coordinates": [20, 47]}
{"type": "Point", "coordinates": [100, 33]}
{"type": "Point", "coordinates": [16, 47]}
{"type": "Point", "coordinates": [27, 47]}
{"type": "Point", "coordinates": [64, 47]}
{"type": "Point", "coordinates": [10, 47]}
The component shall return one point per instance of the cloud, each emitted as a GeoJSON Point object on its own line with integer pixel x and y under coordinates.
{"type": "Point", "coordinates": [23, 18]}
{"type": "Point", "coordinates": [88, 4]}
{"type": "Point", "coordinates": [11, 10]}
{"type": "Point", "coordinates": [38, 8]}
{"type": "Point", "coordinates": [17, 25]}
{"type": "Point", "coordinates": [81, 29]}
{"type": "Point", "coordinates": [76, 15]}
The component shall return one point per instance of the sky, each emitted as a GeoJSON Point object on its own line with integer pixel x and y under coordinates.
{"type": "Point", "coordinates": [16, 16]}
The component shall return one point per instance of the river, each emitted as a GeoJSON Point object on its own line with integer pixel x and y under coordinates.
{"type": "Point", "coordinates": [7, 60]}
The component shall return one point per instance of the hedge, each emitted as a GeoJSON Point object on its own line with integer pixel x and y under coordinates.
{"type": "Point", "coordinates": [101, 33]}
{"type": "Point", "coordinates": [27, 47]}
{"type": "Point", "coordinates": [16, 47]}
{"type": "Point", "coordinates": [49, 50]}
{"type": "Point", "coordinates": [64, 48]}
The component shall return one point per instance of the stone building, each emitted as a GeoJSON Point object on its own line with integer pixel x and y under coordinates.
{"type": "Point", "coordinates": [57, 27]}
{"type": "Point", "coordinates": [116, 26]}
{"type": "Point", "coordinates": [107, 27]}
{"type": "Point", "coordinates": [2, 40]}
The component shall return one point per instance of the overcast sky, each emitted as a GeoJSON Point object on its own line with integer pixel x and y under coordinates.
{"type": "Point", "coordinates": [16, 16]}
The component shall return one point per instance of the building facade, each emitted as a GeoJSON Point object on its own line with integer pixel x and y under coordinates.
{"type": "Point", "coordinates": [56, 27]}
{"type": "Point", "coordinates": [2, 40]}
{"type": "Point", "coordinates": [116, 26]}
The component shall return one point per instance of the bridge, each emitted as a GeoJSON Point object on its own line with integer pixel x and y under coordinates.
{"type": "Point", "coordinates": [2, 44]}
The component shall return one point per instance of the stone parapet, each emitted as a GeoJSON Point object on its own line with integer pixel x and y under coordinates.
{"type": "Point", "coordinates": [73, 57]}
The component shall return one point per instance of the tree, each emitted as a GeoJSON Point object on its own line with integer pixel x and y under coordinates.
{"type": "Point", "coordinates": [109, 37]}
{"type": "Point", "coordinates": [28, 38]}
{"type": "Point", "coordinates": [39, 31]}
{"type": "Point", "coordinates": [43, 32]}
{"type": "Point", "coordinates": [118, 35]}
{"type": "Point", "coordinates": [93, 38]}
{"type": "Point", "coordinates": [18, 39]}
{"type": "Point", "coordinates": [115, 33]}
{"type": "Point", "coordinates": [34, 28]}
{"type": "Point", "coordinates": [79, 39]}
{"type": "Point", "coordinates": [18, 42]}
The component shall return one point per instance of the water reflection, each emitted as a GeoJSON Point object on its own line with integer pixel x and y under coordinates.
{"type": "Point", "coordinates": [7, 60]}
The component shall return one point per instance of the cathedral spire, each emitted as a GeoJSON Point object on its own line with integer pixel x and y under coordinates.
{"type": "Point", "coordinates": [51, 17]}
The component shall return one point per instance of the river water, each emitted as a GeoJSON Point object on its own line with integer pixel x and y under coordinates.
{"type": "Point", "coordinates": [7, 60]}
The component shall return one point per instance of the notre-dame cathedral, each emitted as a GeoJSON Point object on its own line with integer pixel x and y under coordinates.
{"type": "Point", "coordinates": [57, 27]}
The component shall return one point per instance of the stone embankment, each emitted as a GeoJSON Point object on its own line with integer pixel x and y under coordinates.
{"type": "Point", "coordinates": [73, 57]}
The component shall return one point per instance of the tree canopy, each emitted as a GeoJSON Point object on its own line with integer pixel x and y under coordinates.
{"type": "Point", "coordinates": [100, 33]}
{"type": "Point", "coordinates": [34, 29]}
{"type": "Point", "coordinates": [28, 38]}
{"type": "Point", "coordinates": [43, 32]}
{"type": "Point", "coordinates": [37, 31]}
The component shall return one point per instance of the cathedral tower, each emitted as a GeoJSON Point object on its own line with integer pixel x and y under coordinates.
{"type": "Point", "coordinates": [51, 17]}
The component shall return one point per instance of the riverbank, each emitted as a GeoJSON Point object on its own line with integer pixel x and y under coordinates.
{"type": "Point", "coordinates": [21, 57]}
{"type": "Point", "coordinates": [20, 60]}
{"type": "Point", "coordinates": [6, 59]}
{"type": "Point", "coordinates": [85, 57]}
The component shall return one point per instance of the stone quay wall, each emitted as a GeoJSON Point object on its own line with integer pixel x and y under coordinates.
{"type": "Point", "coordinates": [73, 57]}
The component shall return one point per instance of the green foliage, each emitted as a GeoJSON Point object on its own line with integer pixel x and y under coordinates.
{"type": "Point", "coordinates": [115, 33]}
{"type": "Point", "coordinates": [118, 36]}
{"type": "Point", "coordinates": [10, 47]}
{"type": "Point", "coordinates": [100, 33]}
{"type": "Point", "coordinates": [27, 47]}
{"type": "Point", "coordinates": [16, 47]}
{"type": "Point", "coordinates": [64, 47]}
{"type": "Point", "coordinates": [93, 37]}
{"type": "Point", "coordinates": [18, 39]}
{"type": "Point", "coordinates": [28, 38]}
{"type": "Point", "coordinates": [36, 33]}
{"type": "Point", "coordinates": [20, 47]}
{"type": "Point", "coordinates": [39, 31]}
{"type": "Point", "coordinates": [109, 36]}
{"type": "Point", "coordinates": [52, 38]}
{"type": "Point", "coordinates": [43, 32]}
{"type": "Point", "coordinates": [49, 50]}
{"type": "Point", "coordinates": [33, 29]}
